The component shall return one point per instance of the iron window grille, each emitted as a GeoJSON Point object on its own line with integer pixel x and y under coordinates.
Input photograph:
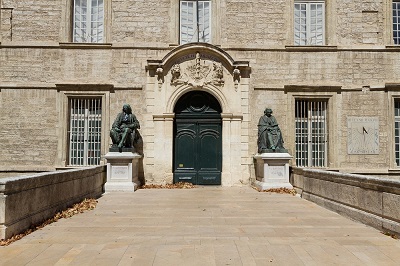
{"type": "Point", "coordinates": [84, 131]}
{"type": "Point", "coordinates": [311, 133]}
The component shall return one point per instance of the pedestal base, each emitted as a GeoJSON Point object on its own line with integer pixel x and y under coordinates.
{"type": "Point", "coordinates": [122, 171]}
{"type": "Point", "coordinates": [272, 171]}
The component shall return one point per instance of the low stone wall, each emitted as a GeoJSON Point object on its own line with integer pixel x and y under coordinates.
{"type": "Point", "coordinates": [29, 200]}
{"type": "Point", "coordinates": [370, 200]}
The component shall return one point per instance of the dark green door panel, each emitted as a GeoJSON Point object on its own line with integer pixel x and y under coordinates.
{"type": "Point", "coordinates": [209, 153]}
{"type": "Point", "coordinates": [198, 140]}
{"type": "Point", "coordinates": [185, 147]}
{"type": "Point", "coordinates": [198, 155]}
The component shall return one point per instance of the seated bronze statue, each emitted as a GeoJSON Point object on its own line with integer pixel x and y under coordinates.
{"type": "Point", "coordinates": [123, 132]}
{"type": "Point", "coordinates": [269, 134]}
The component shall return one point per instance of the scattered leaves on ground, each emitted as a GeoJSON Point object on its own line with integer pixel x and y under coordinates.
{"type": "Point", "coordinates": [281, 190]}
{"type": "Point", "coordinates": [392, 235]}
{"type": "Point", "coordinates": [85, 205]}
{"type": "Point", "coordinates": [179, 185]}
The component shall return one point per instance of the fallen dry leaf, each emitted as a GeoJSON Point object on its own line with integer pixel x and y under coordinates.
{"type": "Point", "coordinates": [85, 205]}
{"type": "Point", "coordinates": [281, 190]}
{"type": "Point", "coordinates": [179, 185]}
{"type": "Point", "coordinates": [392, 235]}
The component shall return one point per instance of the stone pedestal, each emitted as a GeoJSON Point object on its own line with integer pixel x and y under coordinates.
{"type": "Point", "coordinates": [272, 170]}
{"type": "Point", "coordinates": [122, 171]}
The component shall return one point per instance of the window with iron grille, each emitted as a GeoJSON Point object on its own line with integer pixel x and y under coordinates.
{"type": "Point", "coordinates": [397, 131]}
{"type": "Point", "coordinates": [396, 21]}
{"type": "Point", "coordinates": [84, 131]}
{"type": "Point", "coordinates": [311, 133]}
{"type": "Point", "coordinates": [309, 23]}
{"type": "Point", "coordinates": [88, 21]}
{"type": "Point", "coordinates": [195, 21]}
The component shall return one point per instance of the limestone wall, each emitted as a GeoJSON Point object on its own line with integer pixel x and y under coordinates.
{"type": "Point", "coordinates": [28, 129]}
{"type": "Point", "coordinates": [29, 20]}
{"type": "Point", "coordinates": [29, 200]}
{"type": "Point", "coordinates": [240, 23]}
{"type": "Point", "coordinates": [31, 108]}
{"type": "Point", "coordinates": [370, 200]}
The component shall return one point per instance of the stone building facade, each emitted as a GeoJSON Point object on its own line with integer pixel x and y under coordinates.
{"type": "Point", "coordinates": [328, 69]}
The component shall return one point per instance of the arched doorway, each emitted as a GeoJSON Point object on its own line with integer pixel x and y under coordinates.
{"type": "Point", "coordinates": [197, 139]}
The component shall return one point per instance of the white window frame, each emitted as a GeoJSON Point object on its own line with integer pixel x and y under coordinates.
{"type": "Point", "coordinates": [312, 149]}
{"type": "Point", "coordinates": [90, 27]}
{"type": "Point", "coordinates": [196, 25]}
{"type": "Point", "coordinates": [309, 39]}
{"type": "Point", "coordinates": [396, 132]}
{"type": "Point", "coordinates": [84, 131]}
{"type": "Point", "coordinates": [395, 8]}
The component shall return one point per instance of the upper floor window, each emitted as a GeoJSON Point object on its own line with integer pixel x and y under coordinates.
{"type": "Point", "coordinates": [195, 21]}
{"type": "Point", "coordinates": [396, 21]}
{"type": "Point", "coordinates": [309, 23]}
{"type": "Point", "coordinates": [88, 21]}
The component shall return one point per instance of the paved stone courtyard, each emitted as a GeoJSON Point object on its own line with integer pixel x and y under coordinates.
{"type": "Point", "coordinates": [204, 226]}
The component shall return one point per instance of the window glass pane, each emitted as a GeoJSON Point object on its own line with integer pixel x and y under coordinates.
{"type": "Point", "coordinates": [195, 21]}
{"type": "Point", "coordinates": [309, 30]}
{"type": "Point", "coordinates": [396, 28]}
{"type": "Point", "coordinates": [88, 21]}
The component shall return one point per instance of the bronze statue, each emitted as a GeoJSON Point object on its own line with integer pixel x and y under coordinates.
{"type": "Point", "coordinates": [123, 132]}
{"type": "Point", "coordinates": [269, 134]}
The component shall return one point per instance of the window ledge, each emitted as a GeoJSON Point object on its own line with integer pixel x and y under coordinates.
{"type": "Point", "coordinates": [394, 47]}
{"type": "Point", "coordinates": [310, 48]}
{"type": "Point", "coordinates": [78, 45]}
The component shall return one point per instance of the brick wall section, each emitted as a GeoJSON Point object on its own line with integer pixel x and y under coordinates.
{"type": "Point", "coordinates": [254, 22]}
{"type": "Point", "coordinates": [30, 65]}
{"type": "Point", "coordinates": [140, 21]}
{"type": "Point", "coordinates": [28, 120]}
{"type": "Point", "coordinates": [35, 20]}
{"type": "Point", "coordinates": [242, 22]}
{"type": "Point", "coordinates": [352, 27]}
{"type": "Point", "coordinates": [5, 24]}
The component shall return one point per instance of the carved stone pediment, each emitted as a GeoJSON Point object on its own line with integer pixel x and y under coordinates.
{"type": "Point", "coordinates": [197, 73]}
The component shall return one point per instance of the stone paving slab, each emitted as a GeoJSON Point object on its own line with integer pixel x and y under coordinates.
{"type": "Point", "coordinates": [204, 226]}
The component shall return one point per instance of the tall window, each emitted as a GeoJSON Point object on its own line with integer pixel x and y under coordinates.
{"type": "Point", "coordinates": [309, 23]}
{"type": "Point", "coordinates": [88, 21]}
{"type": "Point", "coordinates": [84, 131]}
{"type": "Point", "coordinates": [396, 21]}
{"type": "Point", "coordinates": [397, 131]}
{"type": "Point", "coordinates": [311, 133]}
{"type": "Point", "coordinates": [195, 21]}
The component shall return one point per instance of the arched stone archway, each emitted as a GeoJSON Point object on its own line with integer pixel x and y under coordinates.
{"type": "Point", "coordinates": [206, 69]}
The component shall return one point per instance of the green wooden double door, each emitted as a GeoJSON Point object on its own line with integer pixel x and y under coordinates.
{"type": "Point", "coordinates": [198, 141]}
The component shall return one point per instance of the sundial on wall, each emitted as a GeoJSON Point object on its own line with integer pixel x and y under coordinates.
{"type": "Point", "coordinates": [363, 135]}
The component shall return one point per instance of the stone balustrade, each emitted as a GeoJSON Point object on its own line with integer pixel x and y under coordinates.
{"type": "Point", "coordinates": [371, 200]}
{"type": "Point", "coordinates": [29, 200]}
